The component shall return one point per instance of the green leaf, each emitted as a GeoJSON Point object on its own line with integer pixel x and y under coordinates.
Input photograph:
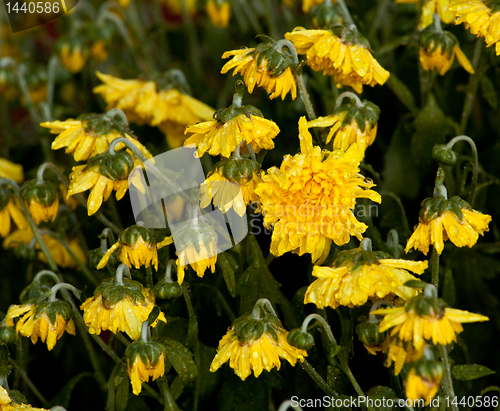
{"type": "Point", "coordinates": [177, 387]}
{"type": "Point", "coordinates": [226, 263]}
{"type": "Point", "coordinates": [380, 393]}
{"type": "Point", "coordinates": [153, 315]}
{"type": "Point", "coordinates": [209, 381]}
{"type": "Point", "coordinates": [181, 359]}
{"type": "Point", "coordinates": [122, 393]}
{"type": "Point", "coordinates": [401, 91]}
{"type": "Point", "coordinates": [63, 397]}
{"type": "Point", "coordinates": [490, 388]}
{"type": "Point", "coordinates": [415, 284]}
{"type": "Point", "coordinates": [489, 92]}
{"type": "Point", "coordinates": [470, 372]}
{"type": "Point", "coordinates": [258, 282]}
{"type": "Point", "coordinates": [4, 361]}
{"type": "Point", "coordinates": [248, 395]}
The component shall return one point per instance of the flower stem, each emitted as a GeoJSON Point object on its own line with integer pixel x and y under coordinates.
{"type": "Point", "coordinates": [145, 331]}
{"type": "Point", "coordinates": [447, 381]}
{"type": "Point", "coordinates": [195, 54]}
{"type": "Point", "coordinates": [119, 273]}
{"type": "Point", "coordinates": [48, 273]}
{"type": "Point", "coordinates": [475, 171]}
{"type": "Point", "coordinates": [66, 286]}
{"type": "Point", "coordinates": [305, 97]}
{"type": "Point", "coordinates": [345, 12]}
{"type": "Point", "coordinates": [323, 322]}
{"type": "Point", "coordinates": [351, 95]}
{"type": "Point", "coordinates": [435, 267]}
{"type": "Point", "coordinates": [262, 304]}
{"type": "Point", "coordinates": [318, 379]}
{"type": "Point", "coordinates": [168, 399]}
{"type": "Point", "coordinates": [149, 277]}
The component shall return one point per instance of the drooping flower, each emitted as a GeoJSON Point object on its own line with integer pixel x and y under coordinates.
{"type": "Point", "coordinates": [91, 135]}
{"type": "Point", "coordinates": [438, 49]}
{"type": "Point", "coordinates": [99, 51]}
{"type": "Point", "coordinates": [231, 126]}
{"type": "Point", "coordinates": [119, 305]}
{"type": "Point", "coordinates": [401, 353]}
{"type": "Point", "coordinates": [373, 340]}
{"type": "Point", "coordinates": [267, 66]}
{"type": "Point", "coordinates": [360, 274]}
{"type": "Point", "coordinates": [137, 247]}
{"type": "Point", "coordinates": [219, 12]}
{"type": "Point", "coordinates": [8, 169]}
{"type": "Point", "coordinates": [340, 52]}
{"type": "Point", "coordinates": [41, 198]}
{"type": "Point", "coordinates": [442, 219]}
{"type": "Point", "coordinates": [231, 184]}
{"type": "Point", "coordinates": [103, 174]}
{"type": "Point", "coordinates": [441, 7]}
{"type": "Point", "coordinates": [309, 200]}
{"type": "Point", "coordinates": [72, 58]}
{"type": "Point", "coordinates": [255, 344]}
{"type": "Point", "coordinates": [481, 17]}
{"type": "Point", "coordinates": [162, 102]}
{"type": "Point", "coordinates": [47, 320]}
{"type": "Point", "coordinates": [351, 123]}
{"type": "Point", "coordinates": [425, 318]}
{"type": "Point", "coordinates": [144, 359]}
{"type": "Point", "coordinates": [424, 379]}
{"type": "Point", "coordinates": [10, 211]}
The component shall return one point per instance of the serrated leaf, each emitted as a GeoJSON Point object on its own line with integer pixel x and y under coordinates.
{"type": "Point", "coordinates": [226, 266]}
{"type": "Point", "coordinates": [489, 92]}
{"type": "Point", "coordinates": [181, 359]}
{"type": "Point", "coordinates": [63, 397]}
{"type": "Point", "coordinates": [258, 282]}
{"type": "Point", "coordinates": [470, 372]}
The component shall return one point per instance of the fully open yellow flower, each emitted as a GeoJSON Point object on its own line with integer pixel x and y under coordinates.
{"type": "Point", "coordinates": [145, 102]}
{"type": "Point", "coordinates": [424, 318]}
{"type": "Point", "coordinates": [481, 17]}
{"type": "Point", "coordinates": [340, 52]}
{"type": "Point", "coordinates": [8, 169]}
{"type": "Point", "coordinates": [462, 228]}
{"type": "Point", "coordinates": [118, 307]}
{"type": "Point", "coordinates": [354, 278]}
{"type": "Point", "coordinates": [79, 138]}
{"type": "Point", "coordinates": [219, 13]}
{"type": "Point", "coordinates": [136, 247]}
{"type": "Point", "coordinates": [72, 59]}
{"type": "Point", "coordinates": [222, 136]}
{"type": "Point", "coordinates": [47, 321]}
{"type": "Point", "coordinates": [255, 67]}
{"type": "Point", "coordinates": [257, 354]}
{"type": "Point", "coordinates": [309, 200]}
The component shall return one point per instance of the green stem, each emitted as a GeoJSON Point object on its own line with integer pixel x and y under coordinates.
{"type": "Point", "coordinates": [324, 324]}
{"type": "Point", "coordinates": [435, 267]}
{"type": "Point", "coordinates": [149, 277]}
{"type": "Point", "coordinates": [28, 382]}
{"type": "Point", "coordinates": [225, 305]}
{"type": "Point", "coordinates": [168, 399]}
{"type": "Point", "coordinates": [447, 380]}
{"type": "Point", "coordinates": [271, 19]}
{"type": "Point", "coordinates": [193, 322]}
{"type": "Point", "coordinates": [349, 94]}
{"type": "Point", "coordinates": [318, 379]}
{"type": "Point", "coordinates": [472, 86]}
{"type": "Point", "coordinates": [345, 11]}
{"type": "Point", "coordinates": [194, 49]}
{"type": "Point", "coordinates": [305, 97]}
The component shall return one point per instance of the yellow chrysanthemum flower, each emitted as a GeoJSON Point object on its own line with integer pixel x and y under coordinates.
{"type": "Point", "coordinates": [41, 199]}
{"type": "Point", "coordinates": [102, 175]}
{"type": "Point", "coordinates": [147, 102]}
{"type": "Point", "coordinates": [441, 7]}
{"type": "Point", "coordinates": [119, 307]}
{"type": "Point", "coordinates": [481, 17]}
{"type": "Point", "coordinates": [340, 52]}
{"type": "Point", "coordinates": [351, 123]}
{"type": "Point", "coordinates": [90, 135]}
{"type": "Point", "coordinates": [249, 350]}
{"type": "Point", "coordinates": [307, 5]}
{"type": "Point", "coordinates": [72, 59]}
{"type": "Point", "coordinates": [8, 404]}
{"type": "Point", "coordinates": [360, 274]}
{"type": "Point", "coordinates": [136, 247]}
{"type": "Point", "coordinates": [58, 251]}
{"type": "Point", "coordinates": [10, 212]}
{"type": "Point", "coordinates": [455, 221]}
{"type": "Point", "coordinates": [231, 184]}
{"type": "Point", "coordinates": [425, 318]}
{"type": "Point", "coordinates": [8, 169]}
{"type": "Point", "coordinates": [219, 13]}
{"type": "Point", "coordinates": [47, 321]}
{"type": "Point", "coordinates": [140, 370]}
{"type": "Point", "coordinates": [423, 380]}
{"type": "Point", "coordinates": [401, 353]}
{"type": "Point", "coordinates": [309, 200]}
{"type": "Point", "coordinates": [230, 128]}
{"type": "Point", "coordinates": [266, 66]}
{"type": "Point", "coordinates": [99, 51]}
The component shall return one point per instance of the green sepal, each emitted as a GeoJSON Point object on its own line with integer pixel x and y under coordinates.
{"type": "Point", "coordinates": [358, 257]}
{"type": "Point", "coordinates": [349, 35]}
{"type": "Point", "coordinates": [170, 79]}
{"type": "Point", "coordinates": [131, 235]}
{"type": "Point", "coordinates": [431, 370]}
{"type": "Point", "coordinates": [118, 166]}
{"type": "Point", "coordinates": [224, 115]}
{"type": "Point", "coordinates": [43, 192]}
{"type": "Point", "coordinates": [248, 328]}
{"type": "Point", "coordinates": [277, 61]}
{"type": "Point", "coordinates": [300, 339]}
{"type": "Point", "coordinates": [102, 124]}
{"type": "Point", "coordinates": [368, 333]}
{"type": "Point", "coordinates": [187, 235]}
{"type": "Point", "coordinates": [444, 155]}
{"type": "Point", "coordinates": [8, 335]}
{"type": "Point", "coordinates": [95, 257]}
{"type": "Point", "coordinates": [33, 291]}
{"type": "Point", "coordinates": [326, 14]}
{"type": "Point", "coordinates": [5, 196]}
{"type": "Point", "coordinates": [366, 113]}
{"type": "Point", "coordinates": [149, 352]}
{"type": "Point", "coordinates": [237, 170]}
{"type": "Point", "coordinates": [424, 305]}
{"type": "Point", "coordinates": [17, 397]}
{"type": "Point", "coordinates": [434, 207]}
{"type": "Point", "coordinates": [52, 308]}
{"type": "Point", "coordinates": [431, 39]}
{"type": "Point", "coordinates": [112, 293]}
{"type": "Point", "coordinates": [73, 41]}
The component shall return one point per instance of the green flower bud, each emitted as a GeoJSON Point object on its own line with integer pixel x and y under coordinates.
{"type": "Point", "coordinates": [44, 192]}
{"type": "Point", "coordinates": [368, 333]}
{"type": "Point", "coordinates": [300, 339]}
{"type": "Point", "coordinates": [237, 170]}
{"type": "Point", "coordinates": [8, 335]}
{"type": "Point", "coordinates": [444, 155]}
{"type": "Point", "coordinates": [167, 289]}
